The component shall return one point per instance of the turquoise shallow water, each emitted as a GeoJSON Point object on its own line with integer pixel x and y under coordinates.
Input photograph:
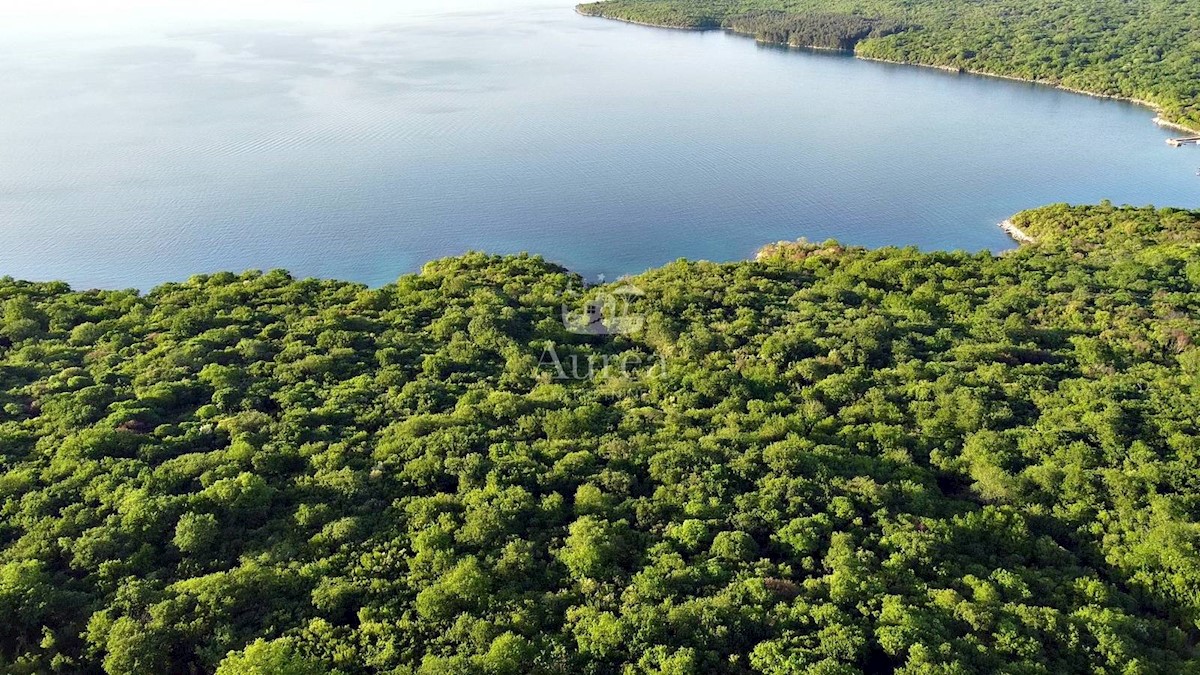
{"type": "Point", "coordinates": [360, 150]}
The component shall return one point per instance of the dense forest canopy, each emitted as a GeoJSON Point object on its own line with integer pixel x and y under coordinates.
{"type": "Point", "coordinates": [1147, 50]}
{"type": "Point", "coordinates": [850, 461]}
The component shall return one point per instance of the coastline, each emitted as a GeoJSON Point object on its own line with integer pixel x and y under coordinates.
{"type": "Point", "coordinates": [1154, 107]}
{"type": "Point", "coordinates": [1017, 234]}
{"type": "Point", "coordinates": [691, 29]}
{"type": "Point", "coordinates": [802, 248]}
{"type": "Point", "coordinates": [703, 29]}
{"type": "Point", "coordinates": [1168, 124]}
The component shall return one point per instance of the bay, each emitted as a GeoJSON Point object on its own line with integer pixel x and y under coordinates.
{"type": "Point", "coordinates": [143, 143]}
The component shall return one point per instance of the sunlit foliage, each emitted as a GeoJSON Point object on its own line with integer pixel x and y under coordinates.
{"type": "Point", "coordinates": [853, 461]}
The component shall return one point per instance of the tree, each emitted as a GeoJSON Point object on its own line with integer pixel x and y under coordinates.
{"type": "Point", "coordinates": [276, 657]}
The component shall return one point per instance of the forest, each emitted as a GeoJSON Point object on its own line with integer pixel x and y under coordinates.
{"type": "Point", "coordinates": [821, 31]}
{"type": "Point", "coordinates": [1146, 50]}
{"type": "Point", "coordinates": [849, 461]}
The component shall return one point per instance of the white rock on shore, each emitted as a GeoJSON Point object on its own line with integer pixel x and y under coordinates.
{"type": "Point", "coordinates": [1016, 233]}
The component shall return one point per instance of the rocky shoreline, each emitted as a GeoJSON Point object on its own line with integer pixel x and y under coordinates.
{"type": "Point", "coordinates": [1018, 235]}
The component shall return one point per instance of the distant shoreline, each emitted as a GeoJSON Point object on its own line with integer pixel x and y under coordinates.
{"type": "Point", "coordinates": [703, 29]}
{"type": "Point", "coordinates": [1154, 107]}
{"type": "Point", "coordinates": [690, 29]}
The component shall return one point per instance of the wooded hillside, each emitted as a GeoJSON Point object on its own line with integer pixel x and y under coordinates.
{"type": "Point", "coordinates": [849, 461]}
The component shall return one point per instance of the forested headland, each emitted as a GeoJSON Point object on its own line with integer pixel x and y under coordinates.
{"type": "Point", "coordinates": [850, 461]}
{"type": "Point", "coordinates": [1144, 50]}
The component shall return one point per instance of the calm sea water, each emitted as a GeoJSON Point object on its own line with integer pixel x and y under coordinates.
{"type": "Point", "coordinates": [358, 140]}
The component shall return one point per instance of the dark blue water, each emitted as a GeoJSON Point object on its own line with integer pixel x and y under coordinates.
{"type": "Point", "coordinates": [361, 149]}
